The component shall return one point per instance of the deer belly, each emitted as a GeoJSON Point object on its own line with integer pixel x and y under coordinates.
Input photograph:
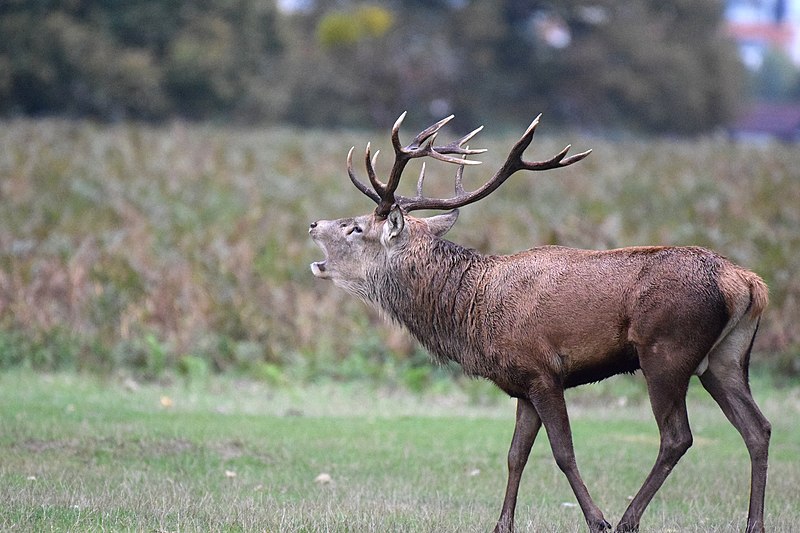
{"type": "Point", "coordinates": [589, 368]}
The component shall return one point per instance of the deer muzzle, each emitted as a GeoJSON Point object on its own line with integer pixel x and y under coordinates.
{"type": "Point", "coordinates": [318, 268]}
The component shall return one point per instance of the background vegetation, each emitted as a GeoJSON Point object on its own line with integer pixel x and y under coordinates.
{"type": "Point", "coordinates": [170, 234]}
{"type": "Point", "coordinates": [612, 64]}
{"type": "Point", "coordinates": [184, 248]}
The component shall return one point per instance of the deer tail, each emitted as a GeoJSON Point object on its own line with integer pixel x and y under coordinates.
{"type": "Point", "coordinates": [746, 296]}
{"type": "Point", "coordinates": [745, 293]}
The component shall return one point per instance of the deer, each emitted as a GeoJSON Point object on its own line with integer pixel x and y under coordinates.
{"type": "Point", "coordinates": [550, 318]}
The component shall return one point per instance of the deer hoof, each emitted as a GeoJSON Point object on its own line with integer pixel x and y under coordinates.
{"type": "Point", "coordinates": [599, 526]}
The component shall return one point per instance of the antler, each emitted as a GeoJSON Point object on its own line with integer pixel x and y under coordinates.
{"type": "Point", "coordinates": [384, 194]}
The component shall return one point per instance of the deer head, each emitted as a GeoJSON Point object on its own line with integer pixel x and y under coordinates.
{"type": "Point", "coordinates": [355, 246]}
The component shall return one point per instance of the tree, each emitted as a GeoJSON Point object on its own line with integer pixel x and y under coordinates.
{"type": "Point", "coordinates": [662, 67]}
{"type": "Point", "coordinates": [148, 59]}
{"type": "Point", "coordinates": [641, 64]}
{"type": "Point", "coordinates": [645, 65]}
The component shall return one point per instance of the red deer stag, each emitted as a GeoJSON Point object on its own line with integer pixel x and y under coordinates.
{"type": "Point", "coordinates": [540, 321]}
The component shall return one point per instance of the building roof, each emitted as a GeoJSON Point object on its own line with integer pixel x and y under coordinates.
{"type": "Point", "coordinates": [774, 120]}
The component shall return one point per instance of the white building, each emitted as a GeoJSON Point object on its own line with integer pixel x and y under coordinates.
{"type": "Point", "coordinates": [759, 26]}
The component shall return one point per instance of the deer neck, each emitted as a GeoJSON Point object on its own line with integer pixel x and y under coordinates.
{"type": "Point", "coordinates": [432, 289]}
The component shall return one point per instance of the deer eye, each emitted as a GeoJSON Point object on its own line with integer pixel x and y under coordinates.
{"type": "Point", "coordinates": [354, 229]}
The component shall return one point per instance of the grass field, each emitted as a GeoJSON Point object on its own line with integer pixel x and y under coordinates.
{"type": "Point", "coordinates": [82, 454]}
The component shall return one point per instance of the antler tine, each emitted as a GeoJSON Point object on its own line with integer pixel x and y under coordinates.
{"type": "Point", "coordinates": [459, 185]}
{"type": "Point", "coordinates": [455, 147]}
{"type": "Point", "coordinates": [420, 180]}
{"type": "Point", "coordinates": [469, 136]}
{"type": "Point", "coordinates": [378, 185]}
{"type": "Point", "coordinates": [428, 133]}
{"type": "Point", "coordinates": [515, 155]}
{"type": "Point", "coordinates": [375, 159]}
{"type": "Point", "coordinates": [396, 130]}
{"type": "Point", "coordinates": [359, 185]}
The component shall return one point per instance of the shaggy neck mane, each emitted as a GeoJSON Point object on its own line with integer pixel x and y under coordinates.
{"type": "Point", "coordinates": [432, 289]}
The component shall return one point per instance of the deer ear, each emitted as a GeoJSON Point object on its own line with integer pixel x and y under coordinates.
{"type": "Point", "coordinates": [394, 225]}
{"type": "Point", "coordinates": [441, 224]}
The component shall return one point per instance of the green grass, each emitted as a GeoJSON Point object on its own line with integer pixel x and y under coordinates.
{"type": "Point", "coordinates": [82, 454]}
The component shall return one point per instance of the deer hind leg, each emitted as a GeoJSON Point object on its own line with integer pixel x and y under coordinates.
{"type": "Point", "coordinates": [667, 391]}
{"type": "Point", "coordinates": [525, 430]}
{"type": "Point", "coordinates": [548, 399]}
{"type": "Point", "coordinates": [726, 379]}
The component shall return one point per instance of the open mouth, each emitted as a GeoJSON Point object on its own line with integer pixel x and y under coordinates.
{"type": "Point", "coordinates": [319, 268]}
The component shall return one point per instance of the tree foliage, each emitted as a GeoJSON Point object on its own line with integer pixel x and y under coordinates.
{"type": "Point", "coordinates": [147, 60]}
{"type": "Point", "coordinates": [641, 64]}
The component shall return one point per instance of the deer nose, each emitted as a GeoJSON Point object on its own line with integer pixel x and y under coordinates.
{"type": "Point", "coordinates": [312, 226]}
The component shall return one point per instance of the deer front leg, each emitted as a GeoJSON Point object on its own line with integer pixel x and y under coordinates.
{"type": "Point", "coordinates": [525, 430]}
{"type": "Point", "coordinates": [547, 397]}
